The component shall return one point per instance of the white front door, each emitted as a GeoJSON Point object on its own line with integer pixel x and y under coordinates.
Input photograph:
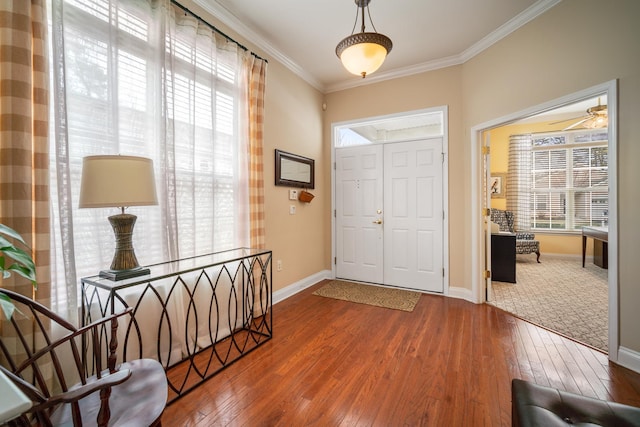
{"type": "Point", "coordinates": [359, 198]}
{"type": "Point", "coordinates": [389, 214]}
{"type": "Point", "coordinates": [413, 229]}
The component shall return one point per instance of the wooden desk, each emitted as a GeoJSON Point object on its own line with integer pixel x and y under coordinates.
{"type": "Point", "coordinates": [600, 236]}
{"type": "Point", "coordinates": [503, 257]}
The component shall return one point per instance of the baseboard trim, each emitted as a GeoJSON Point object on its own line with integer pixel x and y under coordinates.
{"type": "Point", "coordinates": [629, 359]}
{"type": "Point", "coordinates": [300, 285]}
{"type": "Point", "coordinates": [461, 293]}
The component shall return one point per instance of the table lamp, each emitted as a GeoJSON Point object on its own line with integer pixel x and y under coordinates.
{"type": "Point", "coordinates": [119, 181]}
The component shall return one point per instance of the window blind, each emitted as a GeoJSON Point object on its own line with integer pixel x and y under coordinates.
{"type": "Point", "coordinates": [144, 78]}
{"type": "Point", "coordinates": [569, 176]}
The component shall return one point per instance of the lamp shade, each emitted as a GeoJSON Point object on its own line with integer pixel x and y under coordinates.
{"type": "Point", "coordinates": [117, 181]}
{"type": "Point", "coordinates": [363, 58]}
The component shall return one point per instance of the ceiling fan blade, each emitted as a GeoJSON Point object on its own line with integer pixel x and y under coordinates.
{"type": "Point", "coordinates": [572, 118]}
{"type": "Point", "coordinates": [578, 123]}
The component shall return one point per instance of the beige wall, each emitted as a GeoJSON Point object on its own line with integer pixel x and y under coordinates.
{"type": "Point", "coordinates": [553, 56]}
{"type": "Point", "coordinates": [293, 123]}
{"type": "Point", "coordinates": [437, 88]}
{"type": "Point", "coordinates": [548, 58]}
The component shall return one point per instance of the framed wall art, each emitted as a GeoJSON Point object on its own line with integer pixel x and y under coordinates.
{"type": "Point", "coordinates": [498, 185]}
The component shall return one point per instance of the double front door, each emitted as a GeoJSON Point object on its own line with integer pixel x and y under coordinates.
{"type": "Point", "coordinates": [389, 214]}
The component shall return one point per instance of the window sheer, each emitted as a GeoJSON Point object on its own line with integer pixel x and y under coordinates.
{"type": "Point", "coordinates": [141, 77]}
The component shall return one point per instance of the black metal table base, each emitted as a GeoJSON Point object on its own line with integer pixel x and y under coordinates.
{"type": "Point", "coordinates": [196, 316]}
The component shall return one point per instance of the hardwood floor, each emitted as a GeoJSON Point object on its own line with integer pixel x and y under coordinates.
{"type": "Point", "coordinates": [447, 363]}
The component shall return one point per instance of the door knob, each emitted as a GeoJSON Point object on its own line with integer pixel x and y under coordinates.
{"type": "Point", "coordinates": [377, 221]}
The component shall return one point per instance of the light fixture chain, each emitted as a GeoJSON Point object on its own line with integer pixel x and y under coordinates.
{"type": "Point", "coordinates": [370, 20]}
{"type": "Point", "coordinates": [363, 53]}
{"type": "Point", "coordinates": [353, 30]}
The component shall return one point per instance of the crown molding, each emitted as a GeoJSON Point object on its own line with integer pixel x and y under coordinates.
{"type": "Point", "coordinates": [395, 73]}
{"type": "Point", "coordinates": [509, 27]}
{"type": "Point", "coordinates": [227, 18]}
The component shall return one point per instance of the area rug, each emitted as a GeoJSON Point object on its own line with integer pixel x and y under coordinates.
{"type": "Point", "coordinates": [561, 295]}
{"type": "Point", "coordinates": [396, 299]}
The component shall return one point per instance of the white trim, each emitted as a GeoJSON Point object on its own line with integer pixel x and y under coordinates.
{"type": "Point", "coordinates": [461, 293]}
{"type": "Point", "coordinates": [628, 358]}
{"type": "Point", "coordinates": [445, 182]}
{"type": "Point", "coordinates": [227, 18]}
{"type": "Point", "coordinates": [395, 73]}
{"type": "Point", "coordinates": [300, 285]}
{"type": "Point", "coordinates": [509, 27]}
{"type": "Point", "coordinates": [486, 42]}
{"type": "Point", "coordinates": [611, 88]}
{"type": "Point", "coordinates": [477, 252]}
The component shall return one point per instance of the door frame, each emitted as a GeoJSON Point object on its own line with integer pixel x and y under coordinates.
{"type": "Point", "coordinates": [445, 181]}
{"type": "Point", "coordinates": [477, 181]}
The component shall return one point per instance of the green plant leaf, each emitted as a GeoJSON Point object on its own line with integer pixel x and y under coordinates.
{"type": "Point", "coordinates": [11, 233]}
{"type": "Point", "coordinates": [19, 256]}
{"type": "Point", "coordinates": [25, 272]}
{"type": "Point", "coordinates": [7, 306]}
{"type": "Point", "coordinates": [23, 265]}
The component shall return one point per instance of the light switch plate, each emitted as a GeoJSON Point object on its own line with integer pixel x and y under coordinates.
{"type": "Point", "coordinates": [292, 210]}
{"type": "Point", "coordinates": [293, 194]}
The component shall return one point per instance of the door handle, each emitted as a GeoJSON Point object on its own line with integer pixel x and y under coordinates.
{"type": "Point", "coordinates": [377, 221]}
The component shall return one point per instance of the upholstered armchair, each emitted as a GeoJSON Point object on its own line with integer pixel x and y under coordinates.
{"type": "Point", "coordinates": [526, 242]}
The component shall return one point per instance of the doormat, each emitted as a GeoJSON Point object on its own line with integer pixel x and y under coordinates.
{"type": "Point", "coordinates": [396, 299]}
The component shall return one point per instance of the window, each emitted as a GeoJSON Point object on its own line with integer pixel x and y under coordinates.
{"type": "Point", "coordinates": [569, 176]}
{"type": "Point", "coordinates": [139, 78]}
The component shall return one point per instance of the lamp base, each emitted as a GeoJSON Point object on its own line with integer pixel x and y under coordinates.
{"type": "Point", "coordinates": [115, 275]}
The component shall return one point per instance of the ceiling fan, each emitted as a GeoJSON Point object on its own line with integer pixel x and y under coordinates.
{"type": "Point", "coordinates": [596, 117]}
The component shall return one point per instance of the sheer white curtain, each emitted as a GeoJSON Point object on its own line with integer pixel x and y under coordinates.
{"type": "Point", "coordinates": [141, 77]}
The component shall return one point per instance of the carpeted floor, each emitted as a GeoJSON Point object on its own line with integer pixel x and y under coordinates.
{"type": "Point", "coordinates": [560, 295]}
{"type": "Point", "coordinates": [397, 299]}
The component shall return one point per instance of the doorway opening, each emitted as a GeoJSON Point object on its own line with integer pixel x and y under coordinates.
{"type": "Point", "coordinates": [389, 185]}
{"type": "Point", "coordinates": [560, 238]}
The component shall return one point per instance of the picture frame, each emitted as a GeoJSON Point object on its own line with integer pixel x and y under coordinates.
{"type": "Point", "coordinates": [498, 185]}
{"type": "Point", "coordinates": [292, 170]}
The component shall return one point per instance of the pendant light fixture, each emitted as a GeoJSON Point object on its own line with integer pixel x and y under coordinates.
{"type": "Point", "coordinates": [363, 53]}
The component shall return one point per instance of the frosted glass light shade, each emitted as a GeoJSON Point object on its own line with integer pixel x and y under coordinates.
{"type": "Point", "coordinates": [363, 53]}
{"type": "Point", "coordinates": [364, 58]}
{"type": "Point", "coordinates": [117, 181]}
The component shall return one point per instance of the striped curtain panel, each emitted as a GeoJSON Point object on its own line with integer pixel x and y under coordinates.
{"type": "Point", "coordinates": [24, 147]}
{"type": "Point", "coordinates": [519, 180]}
{"type": "Point", "coordinates": [257, 77]}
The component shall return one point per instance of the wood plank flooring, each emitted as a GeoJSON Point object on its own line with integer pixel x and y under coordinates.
{"type": "Point", "coordinates": [447, 363]}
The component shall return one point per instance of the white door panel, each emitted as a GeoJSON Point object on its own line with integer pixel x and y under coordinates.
{"type": "Point", "coordinates": [413, 215]}
{"type": "Point", "coordinates": [389, 214]}
{"type": "Point", "coordinates": [359, 248]}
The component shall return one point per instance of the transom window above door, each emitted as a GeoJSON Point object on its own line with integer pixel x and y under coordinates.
{"type": "Point", "coordinates": [401, 128]}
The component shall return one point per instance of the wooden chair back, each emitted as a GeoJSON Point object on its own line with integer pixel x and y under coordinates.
{"type": "Point", "coordinates": [48, 358]}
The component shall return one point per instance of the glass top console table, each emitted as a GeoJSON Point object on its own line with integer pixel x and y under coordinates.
{"type": "Point", "coordinates": [195, 315]}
